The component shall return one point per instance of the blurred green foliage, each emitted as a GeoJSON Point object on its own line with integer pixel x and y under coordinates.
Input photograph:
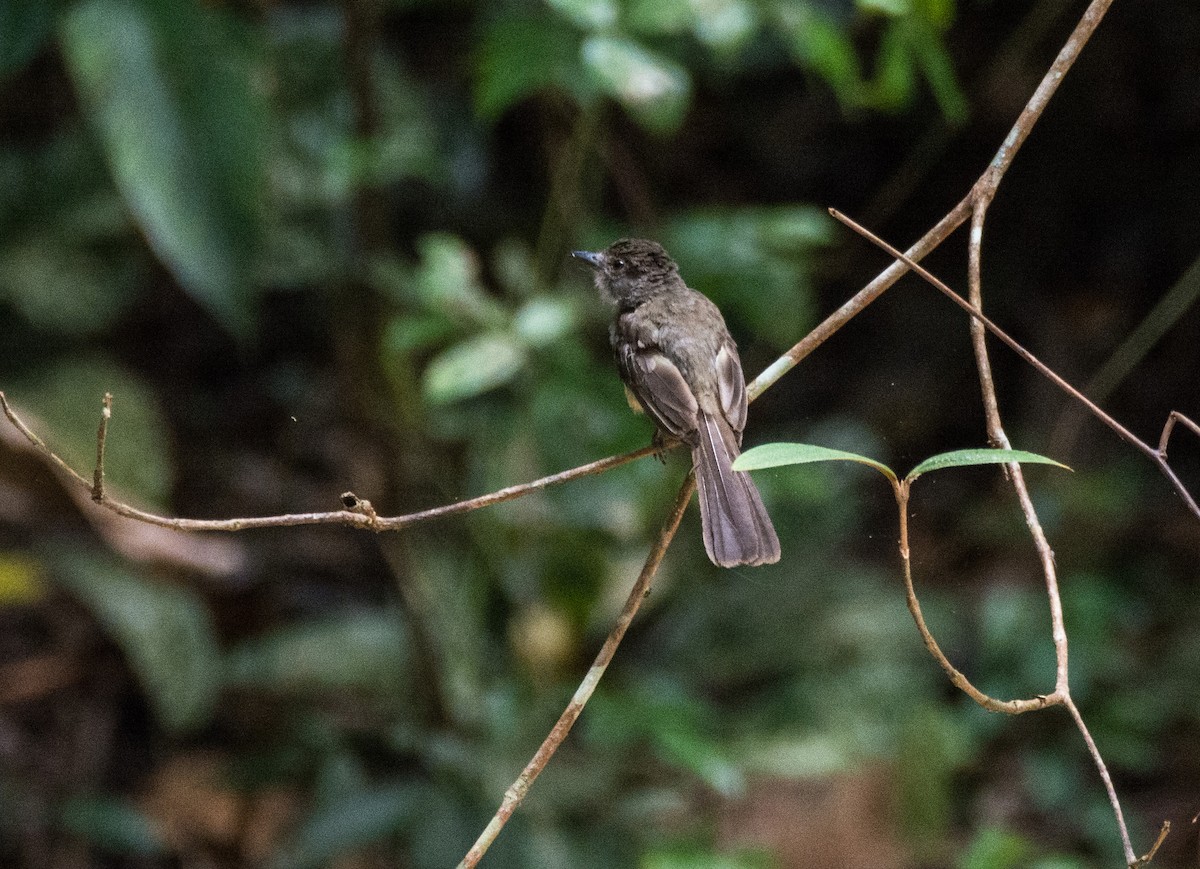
{"type": "Point", "coordinates": [231, 156]}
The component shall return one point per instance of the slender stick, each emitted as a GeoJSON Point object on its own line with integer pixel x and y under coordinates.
{"type": "Point", "coordinates": [999, 438]}
{"type": "Point", "coordinates": [519, 788]}
{"type": "Point", "coordinates": [960, 681]}
{"type": "Point", "coordinates": [1042, 368]}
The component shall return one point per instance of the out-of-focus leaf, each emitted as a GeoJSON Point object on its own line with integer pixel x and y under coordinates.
{"type": "Point", "coordinates": [167, 85]}
{"type": "Point", "coordinates": [654, 90]}
{"type": "Point", "coordinates": [406, 335]}
{"type": "Point", "coordinates": [22, 580]}
{"type": "Point", "coordinates": [820, 44]}
{"type": "Point", "coordinates": [895, 81]}
{"type": "Point", "coordinates": [113, 825]}
{"type": "Point", "coordinates": [588, 14]}
{"type": "Point", "coordinates": [64, 289]}
{"type": "Point", "coordinates": [24, 27]}
{"type": "Point", "coordinates": [796, 756]}
{"type": "Point", "coordinates": [891, 8]}
{"type": "Point", "coordinates": [447, 282]}
{"type": "Point", "coordinates": [724, 24]}
{"type": "Point", "coordinates": [68, 397]}
{"type": "Point", "coordinates": [656, 17]}
{"type": "Point", "coordinates": [366, 651]}
{"type": "Point", "coordinates": [520, 56]}
{"type": "Point", "coordinates": [164, 631]}
{"type": "Point", "coordinates": [963, 458]}
{"type": "Point", "coordinates": [705, 757]}
{"type": "Point", "coordinates": [473, 367]}
{"type": "Point", "coordinates": [930, 54]}
{"type": "Point", "coordinates": [996, 849]}
{"type": "Point", "coordinates": [777, 455]}
{"type": "Point", "coordinates": [542, 321]}
{"type": "Point", "coordinates": [932, 744]}
{"type": "Point", "coordinates": [349, 824]}
{"type": "Point", "coordinates": [938, 13]}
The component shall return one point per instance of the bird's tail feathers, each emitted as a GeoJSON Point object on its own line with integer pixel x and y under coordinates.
{"type": "Point", "coordinates": [737, 529]}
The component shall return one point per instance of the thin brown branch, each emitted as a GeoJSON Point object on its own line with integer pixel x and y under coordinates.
{"type": "Point", "coordinates": [960, 681]}
{"type": "Point", "coordinates": [1042, 368]}
{"type": "Point", "coordinates": [360, 516]}
{"type": "Point", "coordinates": [1173, 418]}
{"type": "Point", "coordinates": [1146, 858]}
{"type": "Point", "coordinates": [999, 438]}
{"type": "Point", "coordinates": [1130, 858]}
{"type": "Point", "coordinates": [519, 788]}
{"type": "Point", "coordinates": [101, 438]}
{"type": "Point", "coordinates": [984, 187]}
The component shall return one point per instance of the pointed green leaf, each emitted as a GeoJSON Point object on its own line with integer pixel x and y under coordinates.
{"type": "Point", "coordinates": [961, 458]}
{"type": "Point", "coordinates": [167, 84]}
{"type": "Point", "coordinates": [164, 631]}
{"type": "Point", "coordinates": [777, 455]}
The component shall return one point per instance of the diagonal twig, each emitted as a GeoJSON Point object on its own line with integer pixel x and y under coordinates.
{"type": "Point", "coordinates": [519, 788]}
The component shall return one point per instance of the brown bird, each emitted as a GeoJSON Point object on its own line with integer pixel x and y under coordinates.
{"type": "Point", "coordinates": [678, 360]}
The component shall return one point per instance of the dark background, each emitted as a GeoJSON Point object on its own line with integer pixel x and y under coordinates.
{"type": "Point", "coordinates": [315, 247]}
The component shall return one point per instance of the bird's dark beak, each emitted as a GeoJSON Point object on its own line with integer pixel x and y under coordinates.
{"type": "Point", "coordinates": [595, 260]}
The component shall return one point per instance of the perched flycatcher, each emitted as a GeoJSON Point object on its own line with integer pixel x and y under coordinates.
{"type": "Point", "coordinates": [678, 360]}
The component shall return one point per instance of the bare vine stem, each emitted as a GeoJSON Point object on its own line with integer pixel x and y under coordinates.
{"type": "Point", "coordinates": [519, 788]}
{"type": "Point", "coordinates": [1158, 456]}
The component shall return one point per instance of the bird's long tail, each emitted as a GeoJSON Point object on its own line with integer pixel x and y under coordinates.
{"type": "Point", "coordinates": [737, 529]}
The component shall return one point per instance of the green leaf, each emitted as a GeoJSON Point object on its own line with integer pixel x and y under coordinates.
{"type": "Point", "coordinates": [349, 824]}
{"type": "Point", "coordinates": [167, 84]}
{"type": "Point", "coordinates": [542, 321]}
{"type": "Point", "coordinates": [705, 758]}
{"type": "Point", "coordinates": [820, 44]}
{"type": "Point", "coordinates": [473, 367]}
{"type": "Point", "coordinates": [447, 281]}
{"type": "Point", "coordinates": [113, 825]}
{"type": "Point", "coordinates": [164, 631]}
{"type": "Point", "coordinates": [588, 14]}
{"type": "Point", "coordinates": [24, 28]}
{"type": "Point", "coordinates": [658, 17]}
{"type": "Point", "coordinates": [520, 56]}
{"type": "Point", "coordinates": [777, 455]}
{"type": "Point", "coordinates": [654, 90]}
{"type": "Point", "coordinates": [890, 8]}
{"type": "Point", "coordinates": [930, 54]}
{"type": "Point", "coordinates": [895, 81]}
{"type": "Point", "coordinates": [724, 24]}
{"type": "Point", "coordinates": [996, 849]}
{"type": "Point", "coordinates": [64, 288]}
{"type": "Point", "coordinates": [365, 651]}
{"type": "Point", "coordinates": [939, 13]}
{"type": "Point", "coordinates": [962, 458]}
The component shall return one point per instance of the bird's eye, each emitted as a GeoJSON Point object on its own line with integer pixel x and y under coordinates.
{"type": "Point", "coordinates": [619, 265]}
